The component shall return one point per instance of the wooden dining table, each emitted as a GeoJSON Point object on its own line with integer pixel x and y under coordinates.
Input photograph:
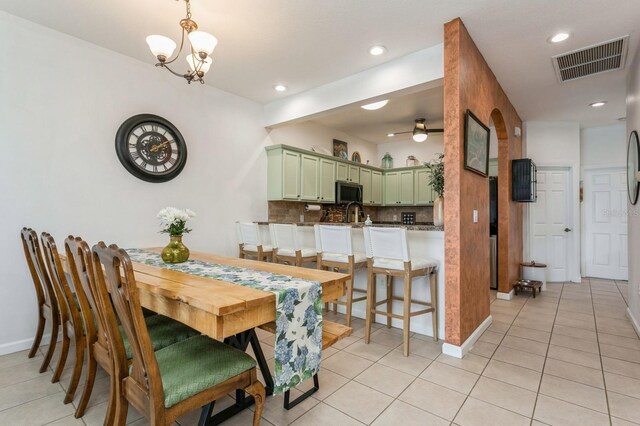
{"type": "Point", "coordinates": [223, 310]}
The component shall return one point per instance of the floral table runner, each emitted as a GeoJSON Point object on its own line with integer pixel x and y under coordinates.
{"type": "Point", "coordinates": [298, 345]}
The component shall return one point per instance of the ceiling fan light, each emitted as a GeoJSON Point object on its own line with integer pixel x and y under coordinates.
{"type": "Point", "coordinates": [204, 64]}
{"type": "Point", "coordinates": [202, 42]}
{"type": "Point", "coordinates": [161, 46]}
{"type": "Point", "coordinates": [420, 136]}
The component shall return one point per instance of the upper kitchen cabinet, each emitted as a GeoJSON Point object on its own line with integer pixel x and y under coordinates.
{"type": "Point", "coordinates": [398, 188]}
{"type": "Point", "coordinates": [423, 192]}
{"type": "Point", "coordinates": [283, 175]}
{"type": "Point", "coordinates": [298, 176]}
{"type": "Point", "coordinates": [347, 173]}
{"type": "Point", "coordinates": [371, 181]}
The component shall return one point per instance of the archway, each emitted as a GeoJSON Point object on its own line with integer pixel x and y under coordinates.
{"type": "Point", "coordinates": [504, 196]}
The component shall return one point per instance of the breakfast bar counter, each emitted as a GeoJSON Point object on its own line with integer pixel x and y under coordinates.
{"type": "Point", "coordinates": [425, 241]}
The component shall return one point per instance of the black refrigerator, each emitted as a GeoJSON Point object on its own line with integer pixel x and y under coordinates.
{"type": "Point", "coordinates": [493, 231]}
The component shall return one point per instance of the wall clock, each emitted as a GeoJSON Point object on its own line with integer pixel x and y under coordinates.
{"type": "Point", "coordinates": [151, 148]}
{"type": "Point", "coordinates": [633, 167]}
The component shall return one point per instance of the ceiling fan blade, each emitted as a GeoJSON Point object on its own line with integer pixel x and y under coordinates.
{"type": "Point", "coordinates": [434, 131]}
{"type": "Point", "coordinates": [402, 133]}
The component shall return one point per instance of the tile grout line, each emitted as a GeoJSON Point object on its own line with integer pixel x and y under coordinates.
{"type": "Point", "coordinates": [485, 367]}
{"type": "Point", "coordinates": [544, 364]}
{"type": "Point", "coordinates": [604, 381]}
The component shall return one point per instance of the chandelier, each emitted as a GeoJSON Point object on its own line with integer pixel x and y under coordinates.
{"type": "Point", "coordinates": [202, 45]}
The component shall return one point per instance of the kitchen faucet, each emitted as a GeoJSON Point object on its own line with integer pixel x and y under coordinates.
{"type": "Point", "coordinates": [359, 211]}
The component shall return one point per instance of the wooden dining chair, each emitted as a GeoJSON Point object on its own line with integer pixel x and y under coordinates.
{"type": "Point", "coordinates": [163, 330]}
{"type": "Point", "coordinates": [170, 382]}
{"type": "Point", "coordinates": [70, 320]}
{"type": "Point", "coordinates": [45, 294]}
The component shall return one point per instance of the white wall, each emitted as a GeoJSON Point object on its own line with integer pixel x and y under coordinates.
{"type": "Point", "coordinates": [603, 146]}
{"type": "Point", "coordinates": [633, 123]}
{"type": "Point", "coordinates": [61, 102]}
{"type": "Point", "coordinates": [309, 133]}
{"type": "Point", "coordinates": [557, 144]}
{"type": "Point", "coordinates": [400, 150]}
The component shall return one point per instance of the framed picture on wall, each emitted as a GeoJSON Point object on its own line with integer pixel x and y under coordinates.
{"type": "Point", "coordinates": [340, 149]}
{"type": "Point", "coordinates": [476, 145]}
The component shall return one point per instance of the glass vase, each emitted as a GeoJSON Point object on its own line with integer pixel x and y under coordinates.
{"type": "Point", "coordinates": [175, 251]}
{"type": "Point", "coordinates": [438, 211]}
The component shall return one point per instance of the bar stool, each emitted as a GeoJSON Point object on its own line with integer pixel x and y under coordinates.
{"type": "Point", "coordinates": [335, 250]}
{"type": "Point", "coordinates": [286, 245]}
{"type": "Point", "coordinates": [250, 241]}
{"type": "Point", "coordinates": [388, 253]}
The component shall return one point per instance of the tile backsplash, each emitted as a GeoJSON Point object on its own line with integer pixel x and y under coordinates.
{"type": "Point", "coordinates": [291, 211]}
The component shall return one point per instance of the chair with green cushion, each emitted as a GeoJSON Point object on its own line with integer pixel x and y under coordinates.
{"type": "Point", "coordinates": [165, 384]}
{"type": "Point", "coordinates": [162, 330]}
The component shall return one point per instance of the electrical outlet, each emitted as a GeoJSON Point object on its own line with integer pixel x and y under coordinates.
{"type": "Point", "coordinates": [395, 217]}
{"type": "Point", "coordinates": [475, 216]}
{"type": "Point", "coordinates": [301, 218]}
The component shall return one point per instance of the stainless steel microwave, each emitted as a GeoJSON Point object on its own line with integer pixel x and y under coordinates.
{"type": "Point", "coordinates": [347, 192]}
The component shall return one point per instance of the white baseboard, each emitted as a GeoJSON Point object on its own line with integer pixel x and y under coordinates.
{"type": "Point", "coordinates": [505, 296]}
{"type": "Point", "coordinates": [634, 321]}
{"type": "Point", "coordinates": [461, 351]}
{"type": "Point", "coordinates": [21, 345]}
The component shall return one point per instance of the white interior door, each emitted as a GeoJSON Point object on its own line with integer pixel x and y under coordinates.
{"type": "Point", "coordinates": [605, 215]}
{"type": "Point", "coordinates": [550, 223]}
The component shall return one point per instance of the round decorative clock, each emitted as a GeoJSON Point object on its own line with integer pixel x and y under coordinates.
{"type": "Point", "coordinates": [151, 148]}
{"type": "Point", "coordinates": [633, 167]}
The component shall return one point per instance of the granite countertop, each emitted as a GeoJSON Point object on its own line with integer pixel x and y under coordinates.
{"type": "Point", "coordinates": [420, 226]}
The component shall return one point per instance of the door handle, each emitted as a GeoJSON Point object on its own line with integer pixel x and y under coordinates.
{"type": "Point", "coordinates": [567, 229]}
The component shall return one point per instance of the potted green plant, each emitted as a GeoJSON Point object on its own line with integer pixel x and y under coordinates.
{"type": "Point", "coordinates": [436, 181]}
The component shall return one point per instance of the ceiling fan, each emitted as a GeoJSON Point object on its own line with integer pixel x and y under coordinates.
{"type": "Point", "coordinates": [420, 131]}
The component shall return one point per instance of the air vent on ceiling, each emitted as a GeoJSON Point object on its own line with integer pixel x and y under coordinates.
{"type": "Point", "coordinates": [603, 57]}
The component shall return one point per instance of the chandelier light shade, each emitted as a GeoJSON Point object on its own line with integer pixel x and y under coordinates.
{"type": "Point", "coordinates": [199, 57]}
{"type": "Point", "coordinates": [420, 131]}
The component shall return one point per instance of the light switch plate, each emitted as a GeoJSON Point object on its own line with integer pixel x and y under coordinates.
{"type": "Point", "coordinates": [475, 216]}
{"type": "Point", "coordinates": [301, 218]}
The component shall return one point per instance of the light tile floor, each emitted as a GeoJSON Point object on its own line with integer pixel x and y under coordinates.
{"type": "Point", "coordinates": [568, 357]}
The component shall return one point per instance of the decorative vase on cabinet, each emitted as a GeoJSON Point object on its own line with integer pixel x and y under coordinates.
{"type": "Point", "coordinates": [438, 211]}
{"type": "Point", "coordinates": [387, 161]}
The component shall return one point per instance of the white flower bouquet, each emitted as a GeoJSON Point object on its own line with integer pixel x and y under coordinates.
{"type": "Point", "coordinates": [174, 221]}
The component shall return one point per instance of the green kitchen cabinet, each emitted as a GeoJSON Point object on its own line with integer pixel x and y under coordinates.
{"type": "Point", "coordinates": [354, 174]}
{"type": "Point", "coordinates": [309, 182]}
{"type": "Point", "coordinates": [371, 182]}
{"type": "Point", "coordinates": [423, 192]}
{"type": "Point", "coordinates": [398, 188]}
{"type": "Point", "coordinates": [327, 181]}
{"type": "Point", "coordinates": [342, 172]}
{"type": "Point", "coordinates": [283, 175]}
{"type": "Point", "coordinates": [376, 187]}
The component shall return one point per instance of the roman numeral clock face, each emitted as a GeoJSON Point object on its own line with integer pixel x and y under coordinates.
{"type": "Point", "coordinates": [151, 148]}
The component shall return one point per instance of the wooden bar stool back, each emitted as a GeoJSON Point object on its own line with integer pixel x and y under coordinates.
{"type": "Point", "coordinates": [388, 253]}
{"type": "Point", "coordinates": [287, 247]}
{"type": "Point", "coordinates": [165, 384]}
{"type": "Point", "coordinates": [71, 320]}
{"type": "Point", "coordinates": [334, 245]}
{"type": "Point", "coordinates": [45, 294]}
{"type": "Point", "coordinates": [250, 241]}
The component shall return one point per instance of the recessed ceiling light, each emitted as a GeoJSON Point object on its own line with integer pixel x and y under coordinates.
{"type": "Point", "coordinates": [280, 88]}
{"type": "Point", "coordinates": [377, 50]}
{"type": "Point", "coordinates": [375, 105]}
{"type": "Point", "coordinates": [598, 104]}
{"type": "Point", "coordinates": [559, 37]}
{"type": "Point", "coordinates": [391, 135]}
